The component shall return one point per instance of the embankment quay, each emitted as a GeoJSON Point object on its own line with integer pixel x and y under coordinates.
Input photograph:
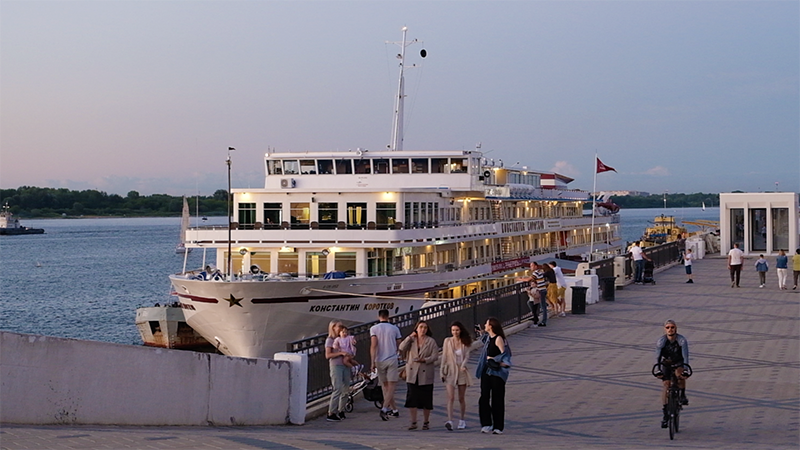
{"type": "Point", "coordinates": [583, 382]}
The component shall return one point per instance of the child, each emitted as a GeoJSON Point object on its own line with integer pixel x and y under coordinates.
{"type": "Point", "coordinates": [347, 344]}
{"type": "Point", "coordinates": [762, 267]}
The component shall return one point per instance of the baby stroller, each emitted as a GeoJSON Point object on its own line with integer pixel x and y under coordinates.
{"type": "Point", "coordinates": [647, 276]}
{"type": "Point", "coordinates": [369, 385]}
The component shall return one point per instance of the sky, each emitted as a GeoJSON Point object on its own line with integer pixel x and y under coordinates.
{"type": "Point", "coordinates": [677, 96]}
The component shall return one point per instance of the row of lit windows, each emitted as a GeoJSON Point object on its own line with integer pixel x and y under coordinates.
{"type": "Point", "coordinates": [366, 166]}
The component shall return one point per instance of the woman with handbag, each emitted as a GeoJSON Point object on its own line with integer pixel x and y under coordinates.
{"type": "Point", "coordinates": [421, 355]}
{"type": "Point", "coordinates": [455, 353]}
{"type": "Point", "coordinates": [493, 368]}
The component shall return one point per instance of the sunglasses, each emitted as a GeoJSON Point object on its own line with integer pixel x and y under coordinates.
{"type": "Point", "coordinates": [670, 327]}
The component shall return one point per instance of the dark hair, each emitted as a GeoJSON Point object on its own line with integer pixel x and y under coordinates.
{"type": "Point", "coordinates": [546, 268]}
{"type": "Point", "coordinates": [429, 333]}
{"type": "Point", "coordinates": [553, 263]}
{"type": "Point", "coordinates": [383, 314]}
{"type": "Point", "coordinates": [497, 328]}
{"type": "Point", "coordinates": [466, 339]}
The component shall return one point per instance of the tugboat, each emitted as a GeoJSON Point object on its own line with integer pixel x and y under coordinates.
{"type": "Point", "coordinates": [9, 225]}
{"type": "Point", "coordinates": [663, 230]}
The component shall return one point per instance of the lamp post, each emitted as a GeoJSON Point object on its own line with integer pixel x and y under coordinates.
{"type": "Point", "coordinates": [229, 268]}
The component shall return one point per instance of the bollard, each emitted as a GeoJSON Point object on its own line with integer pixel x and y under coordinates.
{"type": "Point", "coordinates": [579, 299]}
{"type": "Point", "coordinates": [608, 284]}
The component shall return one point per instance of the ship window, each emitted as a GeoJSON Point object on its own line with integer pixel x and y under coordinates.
{"type": "Point", "coordinates": [274, 167]}
{"type": "Point", "coordinates": [324, 166]}
{"type": "Point", "coordinates": [459, 165]}
{"type": "Point", "coordinates": [272, 215]}
{"type": "Point", "coordinates": [316, 264]}
{"type": "Point", "coordinates": [399, 165]}
{"type": "Point", "coordinates": [415, 215]}
{"type": "Point", "coordinates": [262, 260]}
{"type": "Point", "coordinates": [438, 165]}
{"type": "Point", "coordinates": [328, 215]}
{"type": "Point", "coordinates": [291, 167]}
{"type": "Point", "coordinates": [362, 165]}
{"type": "Point", "coordinates": [247, 216]}
{"type": "Point", "coordinates": [308, 167]}
{"type": "Point", "coordinates": [381, 165]}
{"type": "Point", "coordinates": [288, 263]}
{"type": "Point", "coordinates": [345, 262]}
{"type": "Point", "coordinates": [356, 215]}
{"type": "Point", "coordinates": [344, 166]}
{"type": "Point", "coordinates": [385, 215]}
{"type": "Point", "coordinates": [419, 165]}
{"type": "Point", "coordinates": [300, 214]}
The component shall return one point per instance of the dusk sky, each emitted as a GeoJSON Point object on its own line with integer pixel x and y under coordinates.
{"type": "Point", "coordinates": [678, 96]}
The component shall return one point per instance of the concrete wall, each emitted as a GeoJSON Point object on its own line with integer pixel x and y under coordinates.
{"type": "Point", "coordinates": [46, 380]}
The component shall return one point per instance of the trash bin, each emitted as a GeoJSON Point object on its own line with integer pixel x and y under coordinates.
{"type": "Point", "coordinates": [608, 284]}
{"type": "Point", "coordinates": [579, 299]}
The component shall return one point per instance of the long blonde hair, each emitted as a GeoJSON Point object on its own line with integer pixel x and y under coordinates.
{"type": "Point", "coordinates": [331, 328]}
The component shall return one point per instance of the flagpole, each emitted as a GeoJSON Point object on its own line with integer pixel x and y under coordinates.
{"type": "Point", "coordinates": [594, 200]}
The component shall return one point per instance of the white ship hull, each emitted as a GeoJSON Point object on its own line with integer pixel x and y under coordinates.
{"type": "Point", "coordinates": [255, 319]}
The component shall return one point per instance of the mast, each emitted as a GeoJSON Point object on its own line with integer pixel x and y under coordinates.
{"type": "Point", "coordinates": [397, 122]}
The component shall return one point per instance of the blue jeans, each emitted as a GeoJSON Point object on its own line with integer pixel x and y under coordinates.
{"type": "Point", "coordinates": [543, 302]}
{"type": "Point", "coordinates": [639, 271]}
{"type": "Point", "coordinates": [340, 380]}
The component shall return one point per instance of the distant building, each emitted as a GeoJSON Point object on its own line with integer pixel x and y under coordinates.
{"type": "Point", "coordinates": [624, 193]}
{"type": "Point", "coordinates": [763, 222]}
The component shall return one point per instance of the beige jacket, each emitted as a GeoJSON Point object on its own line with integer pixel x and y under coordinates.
{"type": "Point", "coordinates": [429, 351]}
{"type": "Point", "coordinates": [449, 369]}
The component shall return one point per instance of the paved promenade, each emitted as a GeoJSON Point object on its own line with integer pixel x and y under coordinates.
{"type": "Point", "coordinates": [583, 382]}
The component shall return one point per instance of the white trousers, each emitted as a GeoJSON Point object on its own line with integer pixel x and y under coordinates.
{"type": "Point", "coordinates": [782, 275]}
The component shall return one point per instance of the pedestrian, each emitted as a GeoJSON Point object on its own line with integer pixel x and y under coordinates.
{"type": "Point", "coordinates": [552, 287]}
{"type": "Point", "coordinates": [455, 376]}
{"type": "Point", "coordinates": [421, 355]}
{"type": "Point", "coordinates": [796, 267]}
{"type": "Point", "coordinates": [735, 261]}
{"type": "Point", "coordinates": [536, 290]}
{"type": "Point", "coordinates": [762, 267]}
{"type": "Point", "coordinates": [638, 256]}
{"type": "Point", "coordinates": [688, 257]}
{"type": "Point", "coordinates": [340, 374]}
{"type": "Point", "coordinates": [561, 294]}
{"type": "Point", "coordinates": [384, 339]}
{"type": "Point", "coordinates": [782, 267]}
{"type": "Point", "coordinates": [493, 368]}
{"type": "Point", "coordinates": [347, 344]}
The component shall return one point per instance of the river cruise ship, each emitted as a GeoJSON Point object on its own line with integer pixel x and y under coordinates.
{"type": "Point", "coordinates": [341, 235]}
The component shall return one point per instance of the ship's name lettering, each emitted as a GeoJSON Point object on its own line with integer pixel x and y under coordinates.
{"type": "Point", "coordinates": [329, 308]}
{"type": "Point", "coordinates": [378, 306]}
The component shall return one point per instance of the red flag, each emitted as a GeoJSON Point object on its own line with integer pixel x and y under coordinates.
{"type": "Point", "coordinates": [602, 167]}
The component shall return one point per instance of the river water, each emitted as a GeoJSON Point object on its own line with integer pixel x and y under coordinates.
{"type": "Point", "coordinates": [84, 278]}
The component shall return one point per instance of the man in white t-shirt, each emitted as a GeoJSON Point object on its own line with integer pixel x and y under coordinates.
{"type": "Point", "coordinates": [735, 261]}
{"type": "Point", "coordinates": [638, 262]}
{"type": "Point", "coordinates": [385, 337]}
{"type": "Point", "coordinates": [688, 257]}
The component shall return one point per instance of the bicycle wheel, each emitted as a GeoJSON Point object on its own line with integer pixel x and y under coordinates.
{"type": "Point", "coordinates": [678, 418]}
{"type": "Point", "coordinates": [671, 409]}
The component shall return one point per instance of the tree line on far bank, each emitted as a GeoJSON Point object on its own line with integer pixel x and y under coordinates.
{"type": "Point", "coordinates": [28, 201]}
{"type": "Point", "coordinates": [673, 200]}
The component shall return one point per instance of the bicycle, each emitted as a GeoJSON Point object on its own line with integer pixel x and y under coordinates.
{"type": "Point", "coordinates": [674, 405]}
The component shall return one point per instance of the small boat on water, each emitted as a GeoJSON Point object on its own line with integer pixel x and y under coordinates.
{"type": "Point", "coordinates": [165, 326]}
{"type": "Point", "coordinates": [665, 229]}
{"type": "Point", "coordinates": [10, 226]}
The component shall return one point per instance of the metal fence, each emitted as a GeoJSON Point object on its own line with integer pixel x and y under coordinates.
{"type": "Point", "coordinates": [508, 304]}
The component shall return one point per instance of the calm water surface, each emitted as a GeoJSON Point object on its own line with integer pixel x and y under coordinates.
{"type": "Point", "coordinates": [92, 274]}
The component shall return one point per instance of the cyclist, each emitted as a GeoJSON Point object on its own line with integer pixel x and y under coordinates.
{"type": "Point", "coordinates": [674, 348]}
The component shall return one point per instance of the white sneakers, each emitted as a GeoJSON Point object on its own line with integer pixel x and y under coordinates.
{"type": "Point", "coordinates": [462, 424]}
{"type": "Point", "coordinates": [486, 430]}
{"type": "Point", "coordinates": [497, 432]}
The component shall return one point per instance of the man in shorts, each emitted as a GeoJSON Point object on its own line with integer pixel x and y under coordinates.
{"type": "Point", "coordinates": [384, 339]}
